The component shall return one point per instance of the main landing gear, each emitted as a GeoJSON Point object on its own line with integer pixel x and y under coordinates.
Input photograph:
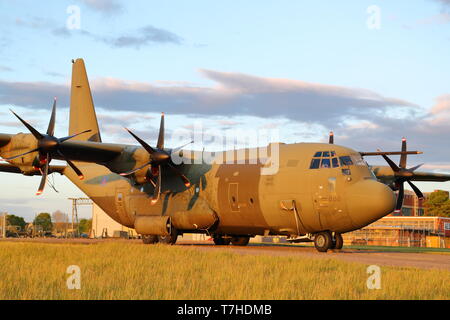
{"type": "Point", "coordinates": [168, 239]}
{"type": "Point", "coordinates": [323, 241]}
{"type": "Point", "coordinates": [234, 240]}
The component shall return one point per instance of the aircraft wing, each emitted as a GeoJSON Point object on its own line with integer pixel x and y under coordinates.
{"type": "Point", "coordinates": [7, 167]}
{"type": "Point", "coordinates": [86, 151]}
{"type": "Point", "coordinates": [386, 175]}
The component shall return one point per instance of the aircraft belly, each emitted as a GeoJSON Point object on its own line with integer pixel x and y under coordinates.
{"type": "Point", "coordinates": [104, 187]}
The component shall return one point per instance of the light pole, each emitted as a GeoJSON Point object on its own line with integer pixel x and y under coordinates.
{"type": "Point", "coordinates": [4, 225]}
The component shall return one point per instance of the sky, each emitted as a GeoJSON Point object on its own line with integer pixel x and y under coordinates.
{"type": "Point", "coordinates": [371, 71]}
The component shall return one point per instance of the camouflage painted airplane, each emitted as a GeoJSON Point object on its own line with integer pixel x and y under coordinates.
{"type": "Point", "coordinates": [318, 192]}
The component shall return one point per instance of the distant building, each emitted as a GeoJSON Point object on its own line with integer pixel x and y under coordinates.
{"type": "Point", "coordinates": [412, 205]}
{"type": "Point", "coordinates": [103, 226]}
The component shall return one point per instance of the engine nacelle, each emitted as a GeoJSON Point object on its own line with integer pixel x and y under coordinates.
{"type": "Point", "coordinates": [18, 144]}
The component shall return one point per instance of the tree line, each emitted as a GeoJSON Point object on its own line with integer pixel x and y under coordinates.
{"type": "Point", "coordinates": [57, 222]}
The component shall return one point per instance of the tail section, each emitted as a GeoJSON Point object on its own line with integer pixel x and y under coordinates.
{"type": "Point", "coordinates": [82, 112]}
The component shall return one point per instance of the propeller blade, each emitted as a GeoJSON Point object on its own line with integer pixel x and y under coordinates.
{"type": "Point", "coordinates": [22, 154]}
{"type": "Point", "coordinates": [160, 144]}
{"type": "Point", "coordinates": [61, 140]}
{"type": "Point", "coordinates": [142, 142]}
{"type": "Point", "coordinates": [157, 190]}
{"type": "Point", "coordinates": [33, 131]}
{"type": "Point", "coordinates": [415, 168]}
{"type": "Point", "coordinates": [403, 155]}
{"type": "Point", "coordinates": [44, 176]}
{"type": "Point", "coordinates": [51, 124]}
{"type": "Point", "coordinates": [391, 163]}
{"type": "Point", "coordinates": [186, 181]}
{"type": "Point", "coordinates": [134, 170]}
{"type": "Point", "coordinates": [72, 165]}
{"type": "Point", "coordinates": [331, 138]}
{"type": "Point", "coordinates": [179, 148]}
{"type": "Point", "coordinates": [401, 193]}
{"type": "Point", "coordinates": [418, 193]}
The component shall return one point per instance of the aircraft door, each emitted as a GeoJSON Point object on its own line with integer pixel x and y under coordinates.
{"type": "Point", "coordinates": [319, 186]}
{"type": "Point", "coordinates": [233, 191]}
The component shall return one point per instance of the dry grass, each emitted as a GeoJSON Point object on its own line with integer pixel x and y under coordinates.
{"type": "Point", "coordinates": [134, 271]}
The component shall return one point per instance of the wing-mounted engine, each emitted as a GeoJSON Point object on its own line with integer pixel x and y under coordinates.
{"type": "Point", "coordinates": [159, 159]}
{"type": "Point", "coordinates": [20, 143]}
{"type": "Point", "coordinates": [44, 147]}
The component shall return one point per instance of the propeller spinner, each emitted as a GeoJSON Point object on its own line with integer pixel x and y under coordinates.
{"type": "Point", "coordinates": [158, 158]}
{"type": "Point", "coordinates": [47, 144]}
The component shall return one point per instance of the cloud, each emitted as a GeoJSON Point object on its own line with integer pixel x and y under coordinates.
{"type": "Point", "coordinates": [5, 69]}
{"type": "Point", "coordinates": [441, 18]}
{"type": "Point", "coordinates": [445, 3]}
{"type": "Point", "coordinates": [233, 94]}
{"type": "Point", "coordinates": [360, 118]}
{"type": "Point", "coordinates": [145, 36]}
{"type": "Point", "coordinates": [104, 6]}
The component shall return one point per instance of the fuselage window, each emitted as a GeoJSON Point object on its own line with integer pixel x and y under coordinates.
{"type": "Point", "coordinates": [335, 162]}
{"type": "Point", "coordinates": [326, 154]}
{"type": "Point", "coordinates": [315, 163]}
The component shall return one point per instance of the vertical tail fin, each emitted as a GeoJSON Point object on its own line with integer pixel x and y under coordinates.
{"type": "Point", "coordinates": [82, 112]}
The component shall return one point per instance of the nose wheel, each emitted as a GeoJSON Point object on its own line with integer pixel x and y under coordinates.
{"type": "Point", "coordinates": [323, 241]}
{"type": "Point", "coordinates": [338, 241]}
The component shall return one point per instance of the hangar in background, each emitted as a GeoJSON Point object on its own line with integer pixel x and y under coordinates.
{"type": "Point", "coordinates": [104, 226]}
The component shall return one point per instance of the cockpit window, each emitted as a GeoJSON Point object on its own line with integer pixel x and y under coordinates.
{"type": "Point", "coordinates": [335, 162]}
{"type": "Point", "coordinates": [315, 163]}
{"type": "Point", "coordinates": [324, 159]}
{"type": "Point", "coordinates": [346, 161]}
{"type": "Point", "coordinates": [325, 163]}
{"type": "Point", "coordinates": [358, 160]}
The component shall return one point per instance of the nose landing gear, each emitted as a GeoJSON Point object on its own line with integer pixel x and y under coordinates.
{"type": "Point", "coordinates": [323, 241]}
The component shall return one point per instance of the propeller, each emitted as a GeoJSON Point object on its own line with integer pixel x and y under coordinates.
{"type": "Point", "coordinates": [48, 144]}
{"type": "Point", "coordinates": [402, 175]}
{"type": "Point", "coordinates": [158, 158]}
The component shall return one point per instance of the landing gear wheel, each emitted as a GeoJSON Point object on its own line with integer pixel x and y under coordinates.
{"type": "Point", "coordinates": [221, 241]}
{"type": "Point", "coordinates": [169, 239]}
{"type": "Point", "coordinates": [149, 239]}
{"type": "Point", "coordinates": [323, 241]}
{"type": "Point", "coordinates": [338, 241]}
{"type": "Point", "coordinates": [240, 241]}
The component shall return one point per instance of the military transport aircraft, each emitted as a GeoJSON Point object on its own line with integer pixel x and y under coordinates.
{"type": "Point", "coordinates": [318, 192]}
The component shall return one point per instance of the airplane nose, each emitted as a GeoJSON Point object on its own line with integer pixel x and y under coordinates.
{"type": "Point", "coordinates": [368, 201]}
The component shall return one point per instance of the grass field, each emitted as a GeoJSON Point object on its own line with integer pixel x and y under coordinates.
{"type": "Point", "coordinates": [124, 270]}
